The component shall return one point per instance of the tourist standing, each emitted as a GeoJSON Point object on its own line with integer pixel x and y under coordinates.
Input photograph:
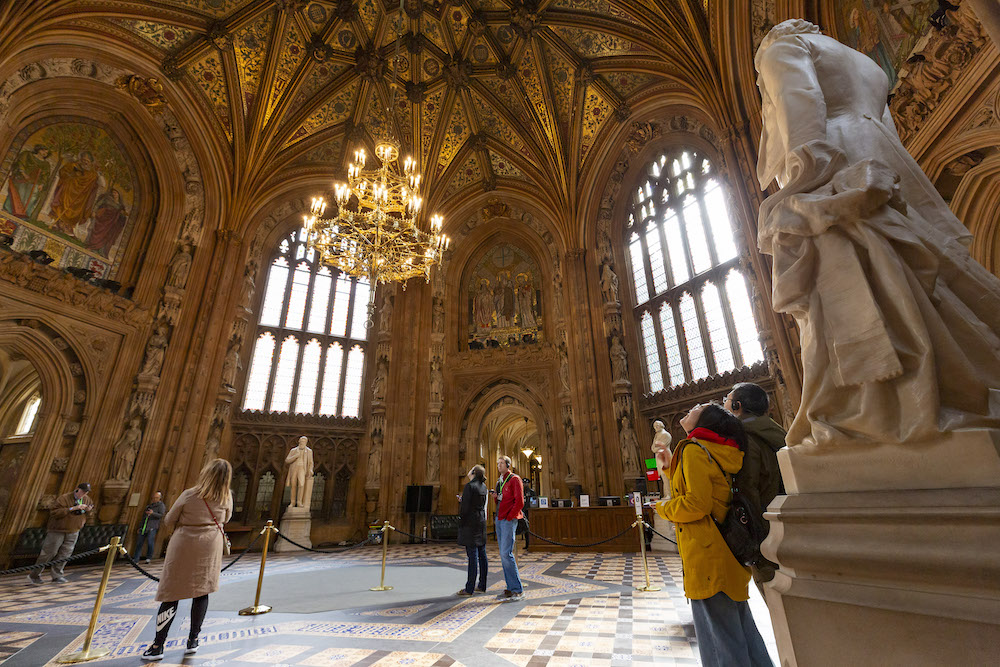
{"type": "Point", "coordinates": [67, 515]}
{"type": "Point", "coordinates": [760, 477]}
{"type": "Point", "coordinates": [714, 581]}
{"type": "Point", "coordinates": [510, 501]}
{"type": "Point", "coordinates": [194, 555]}
{"type": "Point", "coordinates": [472, 528]}
{"type": "Point", "coordinates": [145, 539]}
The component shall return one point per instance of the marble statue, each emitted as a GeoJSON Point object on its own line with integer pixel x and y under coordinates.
{"type": "Point", "coordinates": [300, 473]}
{"type": "Point", "coordinates": [899, 325]}
{"type": "Point", "coordinates": [661, 444]}
{"type": "Point", "coordinates": [609, 284]}
{"type": "Point", "coordinates": [125, 450]}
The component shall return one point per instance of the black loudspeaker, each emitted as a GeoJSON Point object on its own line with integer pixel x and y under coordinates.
{"type": "Point", "coordinates": [419, 499]}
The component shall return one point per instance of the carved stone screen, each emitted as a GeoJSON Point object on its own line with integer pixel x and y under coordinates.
{"type": "Point", "coordinates": [504, 299]}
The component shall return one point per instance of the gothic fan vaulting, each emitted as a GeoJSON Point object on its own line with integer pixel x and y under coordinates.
{"type": "Point", "coordinates": [491, 91]}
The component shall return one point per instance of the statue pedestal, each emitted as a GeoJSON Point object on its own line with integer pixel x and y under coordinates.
{"type": "Point", "coordinates": [664, 527]}
{"type": "Point", "coordinates": [296, 523]}
{"type": "Point", "coordinates": [891, 550]}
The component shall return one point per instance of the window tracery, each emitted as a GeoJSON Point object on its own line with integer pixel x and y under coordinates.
{"type": "Point", "coordinates": [692, 304]}
{"type": "Point", "coordinates": [311, 337]}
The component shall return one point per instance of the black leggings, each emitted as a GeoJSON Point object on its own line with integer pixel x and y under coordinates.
{"type": "Point", "coordinates": [165, 617]}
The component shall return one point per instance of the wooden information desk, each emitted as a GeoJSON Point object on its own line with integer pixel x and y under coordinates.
{"type": "Point", "coordinates": [583, 525]}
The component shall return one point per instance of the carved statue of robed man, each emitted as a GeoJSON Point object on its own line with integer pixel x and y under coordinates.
{"type": "Point", "coordinates": [300, 473]}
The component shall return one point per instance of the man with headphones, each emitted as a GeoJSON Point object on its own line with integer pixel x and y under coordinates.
{"type": "Point", "coordinates": [760, 477]}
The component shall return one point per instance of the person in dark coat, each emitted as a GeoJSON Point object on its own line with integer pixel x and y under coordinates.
{"type": "Point", "coordinates": [472, 528]}
{"type": "Point", "coordinates": [145, 538]}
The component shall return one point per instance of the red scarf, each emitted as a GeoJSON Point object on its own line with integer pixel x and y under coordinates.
{"type": "Point", "coordinates": [704, 434]}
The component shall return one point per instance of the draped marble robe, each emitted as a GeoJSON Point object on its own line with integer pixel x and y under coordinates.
{"type": "Point", "coordinates": [899, 325]}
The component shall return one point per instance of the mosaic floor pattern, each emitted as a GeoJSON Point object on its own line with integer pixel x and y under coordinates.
{"type": "Point", "coordinates": [579, 609]}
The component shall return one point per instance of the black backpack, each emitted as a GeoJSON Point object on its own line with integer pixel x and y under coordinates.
{"type": "Point", "coordinates": [743, 528]}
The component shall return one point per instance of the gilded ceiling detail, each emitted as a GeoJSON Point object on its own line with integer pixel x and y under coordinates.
{"type": "Point", "coordinates": [533, 82]}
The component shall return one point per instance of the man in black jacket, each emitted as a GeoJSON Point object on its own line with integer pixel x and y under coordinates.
{"type": "Point", "coordinates": [145, 538]}
{"type": "Point", "coordinates": [760, 477]}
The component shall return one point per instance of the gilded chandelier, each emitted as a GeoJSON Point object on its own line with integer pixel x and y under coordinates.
{"type": "Point", "coordinates": [375, 232]}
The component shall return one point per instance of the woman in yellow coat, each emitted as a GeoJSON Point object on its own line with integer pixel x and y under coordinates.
{"type": "Point", "coordinates": [714, 581]}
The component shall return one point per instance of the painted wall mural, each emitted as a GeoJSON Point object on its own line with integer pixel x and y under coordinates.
{"type": "Point", "coordinates": [69, 190]}
{"type": "Point", "coordinates": [886, 31]}
{"type": "Point", "coordinates": [504, 299]}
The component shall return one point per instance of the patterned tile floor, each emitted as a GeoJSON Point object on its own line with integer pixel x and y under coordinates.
{"type": "Point", "coordinates": [579, 609]}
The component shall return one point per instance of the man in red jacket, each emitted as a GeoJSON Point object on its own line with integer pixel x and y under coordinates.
{"type": "Point", "coordinates": [510, 501]}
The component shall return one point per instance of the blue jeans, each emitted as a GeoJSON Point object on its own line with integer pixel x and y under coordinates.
{"type": "Point", "coordinates": [727, 635]}
{"type": "Point", "coordinates": [505, 537]}
{"type": "Point", "coordinates": [476, 554]}
{"type": "Point", "coordinates": [144, 543]}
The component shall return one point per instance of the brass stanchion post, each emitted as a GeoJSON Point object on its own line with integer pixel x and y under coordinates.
{"type": "Point", "coordinates": [88, 653]}
{"type": "Point", "coordinates": [640, 524]}
{"type": "Point", "coordinates": [257, 607]}
{"type": "Point", "coordinates": [385, 547]}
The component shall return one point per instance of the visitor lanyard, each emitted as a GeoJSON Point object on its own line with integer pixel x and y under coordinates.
{"type": "Point", "coordinates": [143, 531]}
{"type": "Point", "coordinates": [504, 483]}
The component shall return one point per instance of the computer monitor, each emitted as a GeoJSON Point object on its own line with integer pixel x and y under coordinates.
{"type": "Point", "coordinates": [608, 501]}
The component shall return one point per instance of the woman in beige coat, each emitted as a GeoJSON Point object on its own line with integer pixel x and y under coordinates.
{"type": "Point", "coordinates": [194, 555]}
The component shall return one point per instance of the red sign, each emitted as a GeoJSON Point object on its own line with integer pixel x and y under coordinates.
{"type": "Point", "coordinates": [652, 475]}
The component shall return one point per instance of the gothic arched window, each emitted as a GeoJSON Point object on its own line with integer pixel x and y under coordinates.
{"type": "Point", "coordinates": [309, 354]}
{"type": "Point", "coordinates": [692, 303]}
{"type": "Point", "coordinates": [26, 424]}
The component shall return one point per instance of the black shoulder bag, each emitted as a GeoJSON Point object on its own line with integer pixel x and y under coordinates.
{"type": "Point", "coordinates": [742, 527]}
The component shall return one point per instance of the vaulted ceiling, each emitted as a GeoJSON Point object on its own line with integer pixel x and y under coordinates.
{"type": "Point", "coordinates": [490, 93]}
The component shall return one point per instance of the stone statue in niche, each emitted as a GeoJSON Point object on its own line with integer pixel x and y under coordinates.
{"type": "Point", "coordinates": [437, 321]}
{"type": "Point", "coordinates": [437, 381]}
{"type": "Point", "coordinates": [300, 473]}
{"type": "Point", "coordinates": [231, 365]}
{"type": "Point", "coordinates": [570, 450]}
{"type": "Point", "coordinates": [125, 451]}
{"type": "Point", "coordinates": [154, 351]}
{"type": "Point", "coordinates": [900, 326]}
{"type": "Point", "coordinates": [626, 436]}
{"type": "Point", "coordinates": [609, 284]}
{"type": "Point", "coordinates": [433, 456]}
{"type": "Point", "coordinates": [619, 361]}
{"type": "Point", "coordinates": [378, 384]}
{"type": "Point", "coordinates": [385, 317]}
{"type": "Point", "coordinates": [564, 372]}
{"type": "Point", "coordinates": [180, 267]}
{"type": "Point", "coordinates": [375, 460]}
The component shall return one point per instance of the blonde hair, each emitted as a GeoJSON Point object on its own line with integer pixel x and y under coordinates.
{"type": "Point", "coordinates": [214, 481]}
